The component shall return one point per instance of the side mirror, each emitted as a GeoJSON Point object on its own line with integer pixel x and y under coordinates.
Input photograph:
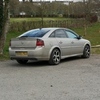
{"type": "Point", "coordinates": [79, 37]}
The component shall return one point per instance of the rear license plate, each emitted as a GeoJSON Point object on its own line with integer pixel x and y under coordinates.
{"type": "Point", "coordinates": [21, 53]}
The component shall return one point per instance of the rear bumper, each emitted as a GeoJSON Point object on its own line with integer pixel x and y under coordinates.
{"type": "Point", "coordinates": [32, 54]}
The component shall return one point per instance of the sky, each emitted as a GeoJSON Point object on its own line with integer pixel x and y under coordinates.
{"type": "Point", "coordinates": [57, 0]}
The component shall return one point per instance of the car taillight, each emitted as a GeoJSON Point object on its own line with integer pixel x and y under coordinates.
{"type": "Point", "coordinates": [39, 42]}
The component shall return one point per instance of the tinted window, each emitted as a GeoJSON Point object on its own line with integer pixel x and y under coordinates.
{"type": "Point", "coordinates": [35, 33]}
{"type": "Point", "coordinates": [58, 33]}
{"type": "Point", "coordinates": [53, 34]}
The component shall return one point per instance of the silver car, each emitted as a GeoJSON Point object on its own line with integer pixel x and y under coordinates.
{"type": "Point", "coordinates": [50, 44]}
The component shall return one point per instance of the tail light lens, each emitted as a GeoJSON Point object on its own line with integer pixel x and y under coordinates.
{"type": "Point", "coordinates": [39, 42]}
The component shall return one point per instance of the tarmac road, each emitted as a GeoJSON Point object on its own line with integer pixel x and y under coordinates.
{"type": "Point", "coordinates": [72, 79]}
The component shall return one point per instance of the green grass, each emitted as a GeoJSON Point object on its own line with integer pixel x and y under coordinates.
{"type": "Point", "coordinates": [92, 33]}
{"type": "Point", "coordinates": [9, 36]}
{"type": "Point", "coordinates": [35, 19]}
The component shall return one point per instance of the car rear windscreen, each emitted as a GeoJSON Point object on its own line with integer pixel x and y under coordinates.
{"type": "Point", "coordinates": [35, 33]}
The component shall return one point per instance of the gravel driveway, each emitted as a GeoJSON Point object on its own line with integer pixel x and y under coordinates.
{"type": "Point", "coordinates": [72, 79]}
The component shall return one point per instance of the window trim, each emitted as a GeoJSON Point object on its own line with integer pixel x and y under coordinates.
{"type": "Point", "coordinates": [55, 34]}
{"type": "Point", "coordinates": [72, 33]}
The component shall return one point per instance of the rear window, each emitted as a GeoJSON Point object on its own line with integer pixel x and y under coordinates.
{"type": "Point", "coordinates": [35, 33]}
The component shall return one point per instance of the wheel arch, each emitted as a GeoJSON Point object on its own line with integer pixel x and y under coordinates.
{"type": "Point", "coordinates": [86, 44]}
{"type": "Point", "coordinates": [55, 47]}
{"type": "Point", "coordinates": [86, 52]}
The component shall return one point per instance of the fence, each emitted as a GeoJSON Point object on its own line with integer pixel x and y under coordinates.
{"type": "Point", "coordinates": [27, 25]}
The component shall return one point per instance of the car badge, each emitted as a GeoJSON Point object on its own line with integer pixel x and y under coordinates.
{"type": "Point", "coordinates": [22, 43]}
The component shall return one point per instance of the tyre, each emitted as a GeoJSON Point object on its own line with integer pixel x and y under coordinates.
{"type": "Point", "coordinates": [86, 52]}
{"type": "Point", "coordinates": [55, 57]}
{"type": "Point", "coordinates": [22, 61]}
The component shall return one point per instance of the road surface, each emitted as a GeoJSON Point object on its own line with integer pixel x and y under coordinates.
{"type": "Point", "coordinates": [73, 79]}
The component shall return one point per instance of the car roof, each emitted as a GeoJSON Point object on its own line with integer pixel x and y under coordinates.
{"type": "Point", "coordinates": [50, 28]}
{"type": "Point", "coordinates": [53, 28]}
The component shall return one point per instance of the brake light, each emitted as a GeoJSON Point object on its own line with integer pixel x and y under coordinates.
{"type": "Point", "coordinates": [39, 42]}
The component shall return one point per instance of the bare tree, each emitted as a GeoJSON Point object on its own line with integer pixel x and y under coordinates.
{"type": "Point", "coordinates": [1, 16]}
{"type": "Point", "coordinates": [31, 0]}
{"type": "Point", "coordinates": [14, 7]}
{"type": "Point", "coordinates": [4, 20]}
{"type": "Point", "coordinates": [23, 0]}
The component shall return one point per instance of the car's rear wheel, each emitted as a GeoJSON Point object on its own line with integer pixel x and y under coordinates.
{"type": "Point", "coordinates": [55, 57]}
{"type": "Point", "coordinates": [22, 61]}
{"type": "Point", "coordinates": [86, 52]}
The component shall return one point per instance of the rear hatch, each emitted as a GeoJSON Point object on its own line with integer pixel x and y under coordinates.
{"type": "Point", "coordinates": [29, 39]}
{"type": "Point", "coordinates": [24, 42]}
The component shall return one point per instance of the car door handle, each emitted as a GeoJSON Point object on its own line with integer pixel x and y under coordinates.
{"type": "Point", "coordinates": [72, 42]}
{"type": "Point", "coordinates": [60, 42]}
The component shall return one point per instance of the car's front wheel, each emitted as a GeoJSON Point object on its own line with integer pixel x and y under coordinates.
{"type": "Point", "coordinates": [55, 57]}
{"type": "Point", "coordinates": [22, 61]}
{"type": "Point", "coordinates": [86, 52]}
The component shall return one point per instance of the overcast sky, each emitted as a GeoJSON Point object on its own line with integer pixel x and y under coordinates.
{"type": "Point", "coordinates": [57, 0]}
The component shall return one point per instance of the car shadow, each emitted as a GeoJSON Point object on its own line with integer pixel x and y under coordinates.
{"type": "Point", "coordinates": [43, 63]}
{"type": "Point", "coordinates": [31, 64]}
{"type": "Point", "coordinates": [71, 59]}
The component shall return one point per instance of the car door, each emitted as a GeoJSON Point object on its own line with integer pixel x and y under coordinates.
{"type": "Point", "coordinates": [76, 43]}
{"type": "Point", "coordinates": [64, 44]}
